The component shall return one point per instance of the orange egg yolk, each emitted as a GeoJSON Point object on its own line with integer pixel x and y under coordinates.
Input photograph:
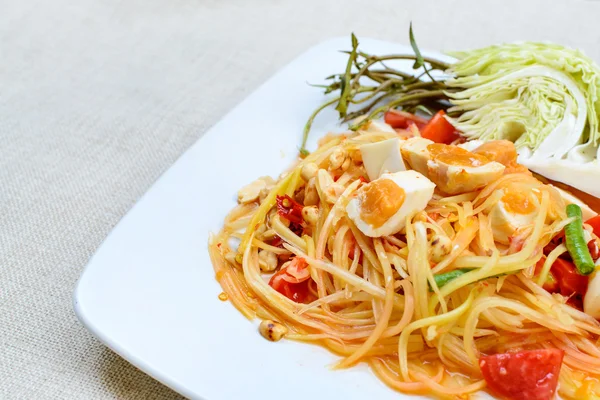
{"type": "Point", "coordinates": [454, 155]}
{"type": "Point", "coordinates": [502, 151]}
{"type": "Point", "coordinates": [518, 202]}
{"type": "Point", "coordinates": [380, 200]}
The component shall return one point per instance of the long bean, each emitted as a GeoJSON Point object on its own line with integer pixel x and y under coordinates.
{"type": "Point", "coordinates": [444, 278]}
{"type": "Point", "coordinates": [575, 242]}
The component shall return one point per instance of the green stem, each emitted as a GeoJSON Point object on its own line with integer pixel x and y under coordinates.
{"type": "Point", "coordinates": [310, 122]}
{"type": "Point", "coordinates": [346, 81]}
{"type": "Point", "coordinates": [312, 117]}
{"type": "Point", "coordinates": [384, 86]}
{"type": "Point", "coordinates": [394, 72]}
{"type": "Point", "coordinates": [363, 111]}
{"type": "Point", "coordinates": [369, 106]}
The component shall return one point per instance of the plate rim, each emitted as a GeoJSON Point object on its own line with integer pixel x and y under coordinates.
{"type": "Point", "coordinates": [78, 292]}
{"type": "Point", "coordinates": [79, 306]}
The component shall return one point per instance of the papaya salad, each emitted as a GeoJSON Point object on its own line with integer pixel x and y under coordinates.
{"type": "Point", "coordinates": [449, 237]}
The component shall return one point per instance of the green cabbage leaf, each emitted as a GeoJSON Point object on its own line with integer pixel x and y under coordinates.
{"type": "Point", "coordinates": [544, 97]}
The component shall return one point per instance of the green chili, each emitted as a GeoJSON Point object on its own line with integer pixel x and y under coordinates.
{"type": "Point", "coordinates": [576, 243]}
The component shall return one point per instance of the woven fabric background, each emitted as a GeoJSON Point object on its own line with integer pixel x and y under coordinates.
{"type": "Point", "coordinates": [99, 97]}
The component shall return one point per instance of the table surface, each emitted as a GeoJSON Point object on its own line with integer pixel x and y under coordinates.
{"type": "Point", "coordinates": [98, 98]}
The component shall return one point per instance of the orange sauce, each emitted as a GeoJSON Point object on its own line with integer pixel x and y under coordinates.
{"type": "Point", "coordinates": [380, 200]}
{"type": "Point", "coordinates": [454, 155]}
{"type": "Point", "coordinates": [589, 386]}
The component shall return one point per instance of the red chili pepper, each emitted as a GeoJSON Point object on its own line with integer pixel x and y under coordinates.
{"type": "Point", "coordinates": [594, 250]}
{"type": "Point", "coordinates": [296, 228]}
{"type": "Point", "coordinates": [289, 209]}
{"type": "Point", "coordinates": [276, 242]}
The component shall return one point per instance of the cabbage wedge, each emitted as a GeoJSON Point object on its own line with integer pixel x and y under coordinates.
{"type": "Point", "coordinates": [544, 97]}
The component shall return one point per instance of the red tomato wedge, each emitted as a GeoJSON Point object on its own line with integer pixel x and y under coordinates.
{"type": "Point", "coordinates": [569, 280]}
{"type": "Point", "coordinates": [595, 224]}
{"type": "Point", "coordinates": [402, 119]}
{"type": "Point", "coordinates": [523, 375]}
{"type": "Point", "coordinates": [296, 271]}
{"type": "Point", "coordinates": [439, 129]}
{"type": "Point", "coordinates": [293, 280]}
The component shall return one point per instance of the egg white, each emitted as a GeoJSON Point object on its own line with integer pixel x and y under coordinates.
{"type": "Point", "coordinates": [382, 157]}
{"type": "Point", "coordinates": [414, 151]}
{"type": "Point", "coordinates": [591, 300]}
{"type": "Point", "coordinates": [586, 211]}
{"type": "Point", "coordinates": [504, 223]}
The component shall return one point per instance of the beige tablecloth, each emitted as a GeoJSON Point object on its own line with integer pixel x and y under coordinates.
{"type": "Point", "coordinates": [98, 98]}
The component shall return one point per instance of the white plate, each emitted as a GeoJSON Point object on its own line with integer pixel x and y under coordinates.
{"type": "Point", "coordinates": [149, 293]}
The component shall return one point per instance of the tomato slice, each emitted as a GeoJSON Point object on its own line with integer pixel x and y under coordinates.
{"type": "Point", "coordinates": [595, 224]}
{"type": "Point", "coordinates": [401, 119]}
{"type": "Point", "coordinates": [439, 129]}
{"type": "Point", "coordinates": [293, 280]}
{"type": "Point", "coordinates": [569, 280]}
{"type": "Point", "coordinates": [523, 375]}
{"type": "Point", "coordinates": [296, 271]}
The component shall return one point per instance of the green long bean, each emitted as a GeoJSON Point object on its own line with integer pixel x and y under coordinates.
{"type": "Point", "coordinates": [575, 241]}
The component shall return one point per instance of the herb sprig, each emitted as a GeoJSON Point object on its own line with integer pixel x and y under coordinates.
{"type": "Point", "coordinates": [371, 87]}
